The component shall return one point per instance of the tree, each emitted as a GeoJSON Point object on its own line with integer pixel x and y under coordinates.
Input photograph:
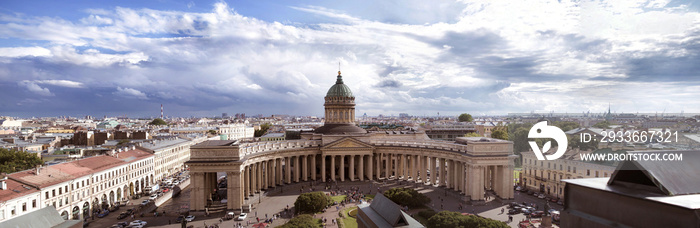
{"type": "Point", "coordinates": [263, 129]}
{"type": "Point", "coordinates": [406, 197]}
{"type": "Point", "coordinates": [301, 221]}
{"type": "Point", "coordinates": [158, 122]}
{"type": "Point", "coordinates": [603, 124]}
{"type": "Point", "coordinates": [566, 125]}
{"type": "Point", "coordinates": [455, 219]}
{"type": "Point", "coordinates": [14, 161]}
{"type": "Point", "coordinates": [465, 117]}
{"type": "Point", "coordinates": [213, 132]}
{"type": "Point", "coordinates": [312, 202]}
{"type": "Point", "coordinates": [499, 134]}
{"type": "Point", "coordinates": [472, 134]}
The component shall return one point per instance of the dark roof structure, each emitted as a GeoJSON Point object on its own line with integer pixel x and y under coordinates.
{"type": "Point", "coordinates": [384, 213]}
{"type": "Point", "coordinates": [669, 177]}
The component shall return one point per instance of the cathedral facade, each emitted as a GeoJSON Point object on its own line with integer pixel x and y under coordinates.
{"type": "Point", "coordinates": [340, 151]}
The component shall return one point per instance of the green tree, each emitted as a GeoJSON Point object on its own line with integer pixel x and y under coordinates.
{"type": "Point", "coordinates": [499, 134]}
{"type": "Point", "coordinates": [603, 124]}
{"type": "Point", "coordinates": [566, 125]}
{"type": "Point", "coordinates": [465, 117]}
{"type": "Point", "coordinates": [451, 219]}
{"type": "Point", "coordinates": [301, 221]}
{"type": "Point", "coordinates": [213, 132]}
{"type": "Point", "coordinates": [407, 197]}
{"type": "Point", "coordinates": [472, 134]}
{"type": "Point", "coordinates": [14, 161]}
{"type": "Point", "coordinates": [158, 122]}
{"type": "Point", "coordinates": [312, 202]}
{"type": "Point", "coordinates": [263, 129]}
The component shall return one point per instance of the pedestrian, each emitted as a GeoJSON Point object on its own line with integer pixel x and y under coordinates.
{"type": "Point", "coordinates": [502, 210]}
{"type": "Point", "coordinates": [265, 215]}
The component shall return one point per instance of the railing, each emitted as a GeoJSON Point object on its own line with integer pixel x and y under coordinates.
{"type": "Point", "coordinates": [423, 144]}
{"type": "Point", "coordinates": [258, 147]}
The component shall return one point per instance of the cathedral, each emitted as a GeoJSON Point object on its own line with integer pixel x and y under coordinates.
{"type": "Point", "coordinates": [340, 151]}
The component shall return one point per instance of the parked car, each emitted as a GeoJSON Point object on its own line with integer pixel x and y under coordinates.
{"type": "Point", "coordinates": [514, 211]}
{"type": "Point", "coordinates": [242, 216]}
{"type": "Point", "coordinates": [138, 223]}
{"type": "Point", "coordinates": [103, 214]}
{"type": "Point", "coordinates": [189, 218]}
{"type": "Point", "coordinates": [122, 215]}
{"type": "Point", "coordinates": [530, 192]}
{"type": "Point", "coordinates": [541, 196]}
{"type": "Point", "coordinates": [553, 200]}
{"type": "Point", "coordinates": [230, 215]}
{"type": "Point", "coordinates": [560, 202]}
{"type": "Point", "coordinates": [535, 194]}
{"type": "Point", "coordinates": [114, 208]}
{"type": "Point", "coordinates": [130, 211]}
{"type": "Point", "coordinates": [537, 214]}
{"type": "Point", "coordinates": [145, 202]}
{"type": "Point", "coordinates": [179, 219]}
{"type": "Point", "coordinates": [153, 197]}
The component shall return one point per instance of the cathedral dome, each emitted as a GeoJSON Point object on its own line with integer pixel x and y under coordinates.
{"type": "Point", "coordinates": [339, 89]}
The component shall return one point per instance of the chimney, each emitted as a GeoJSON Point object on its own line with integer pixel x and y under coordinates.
{"type": "Point", "coordinates": [38, 169]}
{"type": "Point", "coordinates": [3, 183]}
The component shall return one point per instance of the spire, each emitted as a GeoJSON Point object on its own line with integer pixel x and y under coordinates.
{"type": "Point", "coordinates": [340, 77]}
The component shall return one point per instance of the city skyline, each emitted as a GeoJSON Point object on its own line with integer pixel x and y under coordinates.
{"type": "Point", "coordinates": [265, 57]}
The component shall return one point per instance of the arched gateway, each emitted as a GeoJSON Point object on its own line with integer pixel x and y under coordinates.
{"type": "Point", "coordinates": [341, 151]}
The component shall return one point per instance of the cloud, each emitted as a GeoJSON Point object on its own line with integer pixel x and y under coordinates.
{"type": "Point", "coordinates": [34, 88]}
{"type": "Point", "coordinates": [130, 93]}
{"type": "Point", "coordinates": [489, 57]}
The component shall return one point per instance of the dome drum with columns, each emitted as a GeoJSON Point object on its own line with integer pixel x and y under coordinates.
{"type": "Point", "coordinates": [342, 152]}
{"type": "Point", "coordinates": [340, 110]}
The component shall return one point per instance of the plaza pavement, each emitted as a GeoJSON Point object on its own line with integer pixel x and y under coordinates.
{"type": "Point", "coordinates": [277, 200]}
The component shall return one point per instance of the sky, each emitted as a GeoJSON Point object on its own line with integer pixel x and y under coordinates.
{"type": "Point", "coordinates": [205, 58]}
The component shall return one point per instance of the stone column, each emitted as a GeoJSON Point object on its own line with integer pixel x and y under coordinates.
{"type": "Point", "coordinates": [233, 191]}
{"type": "Point", "coordinates": [333, 167]}
{"type": "Point", "coordinates": [369, 167]}
{"type": "Point", "coordinates": [423, 169]}
{"type": "Point", "coordinates": [509, 181]}
{"type": "Point", "coordinates": [342, 167]}
{"type": "Point", "coordinates": [313, 166]}
{"type": "Point", "coordinates": [254, 178]}
{"type": "Point", "coordinates": [304, 168]}
{"type": "Point", "coordinates": [296, 169]}
{"type": "Point", "coordinates": [387, 170]}
{"type": "Point", "coordinates": [197, 199]}
{"type": "Point", "coordinates": [443, 172]}
{"type": "Point", "coordinates": [404, 166]}
{"type": "Point", "coordinates": [246, 182]}
{"type": "Point", "coordinates": [323, 168]}
{"type": "Point", "coordinates": [499, 181]}
{"type": "Point", "coordinates": [361, 169]}
{"type": "Point", "coordinates": [433, 171]}
{"type": "Point", "coordinates": [351, 167]}
{"type": "Point", "coordinates": [379, 165]}
{"type": "Point", "coordinates": [279, 171]}
{"type": "Point", "coordinates": [288, 170]}
{"type": "Point", "coordinates": [266, 174]}
{"type": "Point", "coordinates": [413, 167]}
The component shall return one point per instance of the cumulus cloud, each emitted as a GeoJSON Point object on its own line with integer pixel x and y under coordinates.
{"type": "Point", "coordinates": [489, 57]}
{"type": "Point", "coordinates": [130, 93]}
{"type": "Point", "coordinates": [34, 88]}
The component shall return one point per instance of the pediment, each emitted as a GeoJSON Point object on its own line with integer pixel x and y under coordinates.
{"type": "Point", "coordinates": [348, 143]}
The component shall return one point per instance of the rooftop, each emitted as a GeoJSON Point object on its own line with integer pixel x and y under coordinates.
{"type": "Point", "coordinates": [163, 143]}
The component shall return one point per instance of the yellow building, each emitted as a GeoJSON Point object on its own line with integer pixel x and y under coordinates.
{"type": "Point", "coordinates": [545, 176]}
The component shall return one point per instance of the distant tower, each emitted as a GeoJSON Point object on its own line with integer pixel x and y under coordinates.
{"type": "Point", "coordinates": [161, 111]}
{"type": "Point", "coordinates": [340, 110]}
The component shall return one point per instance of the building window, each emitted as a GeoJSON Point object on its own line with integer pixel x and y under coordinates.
{"type": "Point", "coordinates": [60, 191]}
{"type": "Point", "coordinates": [13, 211]}
{"type": "Point", "coordinates": [568, 168]}
{"type": "Point", "coordinates": [53, 193]}
{"type": "Point", "coordinates": [33, 203]}
{"type": "Point", "coordinates": [606, 174]}
{"type": "Point", "coordinates": [588, 172]}
{"type": "Point", "coordinates": [574, 169]}
{"type": "Point", "coordinates": [596, 173]}
{"type": "Point", "coordinates": [24, 206]}
{"type": "Point", "coordinates": [47, 194]}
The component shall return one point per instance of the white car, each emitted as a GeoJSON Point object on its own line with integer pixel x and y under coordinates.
{"type": "Point", "coordinates": [137, 223]}
{"type": "Point", "coordinates": [242, 216]}
{"type": "Point", "coordinates": [153, 197]}
{"type": "Point", "coordinates": [541, 196]}
{"type": "Point", "coordinates": [189, 218]}
{"type": "Point", "coordinates": [144, 202]}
